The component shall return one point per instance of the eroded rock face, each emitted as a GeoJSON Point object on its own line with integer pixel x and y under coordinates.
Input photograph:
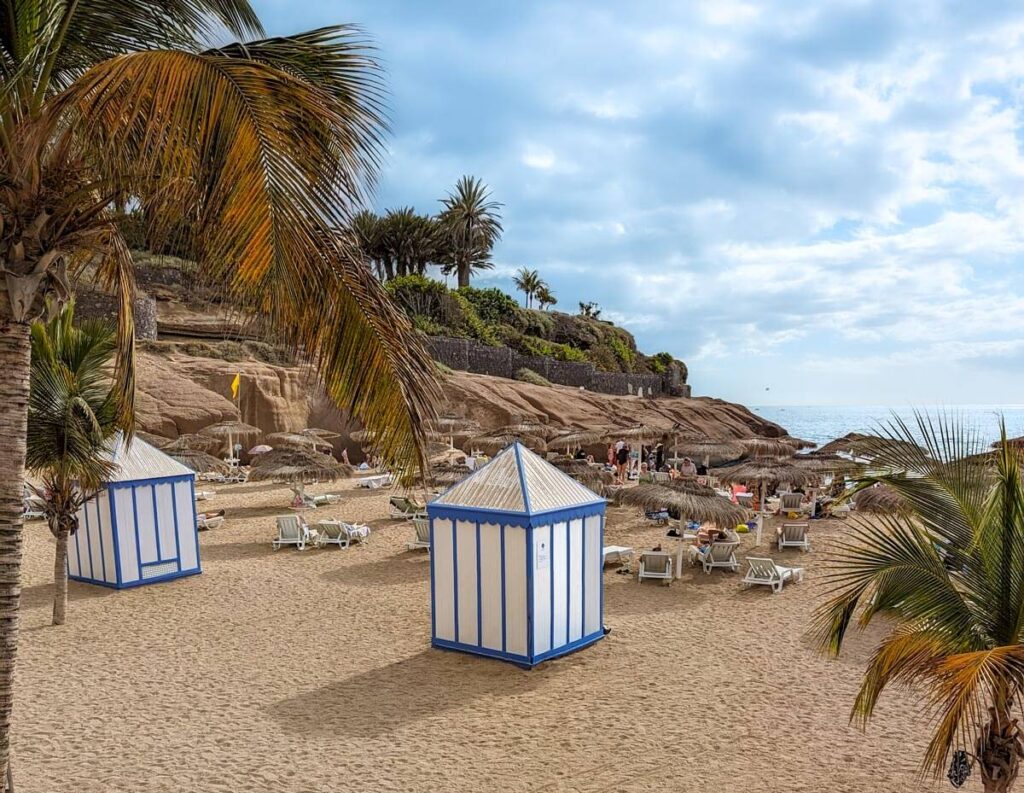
{"type": "Point", "coordinates": [178, 393]}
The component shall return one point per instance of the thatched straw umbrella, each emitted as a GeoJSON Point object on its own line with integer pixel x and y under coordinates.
{"type": "Point", "coordinates": [638, 432]}
{"type": "Point", "coordinates": [230, 430]}
{"type": "Point", "coordinates": [298, 467]}
{"type": "Point", "coordinates": [296, 440]}
{"type": "Point", "coordinates": [711, 508]}
{"type": "Point", "coordinates": [451, 425]}
{"type": "Point", "coordinates": [881, 500]}
{"type": "Point", "coordinates": [327, 435]}
{"type": "Point", "coordinates": [591, 476]}
{"type": "Point", "coordinates": [199, 461]}
{"type": "Point", "coordinates": [157, 441]}
{"type": "Point", "coordinates": [193, 442]}
{"type": "Point", "coordinates": [572, 439]}
{"type": "Point", "coordinates": [528, 426]}
{"type": "Point", "coordinates": [494, 442]}
{"type": "Point", "coordinates": [764, 472]}
{"type": "Point", "coordinates": [705, 448]}
{"type": "Point", "coordinates": [768, 447]}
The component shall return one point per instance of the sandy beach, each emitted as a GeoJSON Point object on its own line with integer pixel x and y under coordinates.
{"type": "Point", "coordinates": [312, 671]}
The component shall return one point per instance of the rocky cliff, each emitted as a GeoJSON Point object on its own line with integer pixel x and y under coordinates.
{"type": "Point", "coordinates": [179, 393]}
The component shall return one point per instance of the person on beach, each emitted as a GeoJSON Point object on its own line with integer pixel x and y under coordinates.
{"type": "Point", "coordinates": [688, 469]}
{"type": "Point", "coordinates": [621, 460]}
{"type": "Point", "coordinates": [659, 457]}
{"type": "Point", "coordinates": [611, 455]}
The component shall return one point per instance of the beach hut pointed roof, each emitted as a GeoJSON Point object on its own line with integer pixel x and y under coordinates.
{"type": "Point", "coordinates": [141, 460]}
{"type": "Point", "coordinates": [518, 481]}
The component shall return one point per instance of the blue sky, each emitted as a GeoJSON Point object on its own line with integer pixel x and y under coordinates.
{"type": "Point", "coordinates": [821, 199]}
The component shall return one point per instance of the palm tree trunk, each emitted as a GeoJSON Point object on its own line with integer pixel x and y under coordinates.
{"type": "Point", "coordinates": [60, 579]}
{"type": "Point", "coordinates": [1000, 750]}
{"type": "Point", "coordinates": [14, 362]}
{"type": "Point", "coordinates": [463, 274]}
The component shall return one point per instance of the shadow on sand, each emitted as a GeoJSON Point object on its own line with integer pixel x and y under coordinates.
{"type": "Point", "coordinates": [41, 595]}
{"type": "Point", "coordinates": [402, 568]}
{"type": "Point", "coordinates": [382, 700]}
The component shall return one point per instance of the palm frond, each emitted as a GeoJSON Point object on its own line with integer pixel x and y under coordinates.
{"type": "Point", "coordinates": [248, 151]}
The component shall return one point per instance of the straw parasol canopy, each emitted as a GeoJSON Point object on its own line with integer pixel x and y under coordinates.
{"type": "Point", "coordinates": [572, 438]}
{"type": "Point", "coordinates": [706, 448]}
{"type": "Point", "coordinates": [158, 441]}
{"type": "Point", "coordinates": [638, 432]}
{"type": "Point", "coordinates": [768, 447]}
{"type": "Point", "coordinates": [763, 472]}
{"type": "Point", "coordinates": [818, 463]}
{"type": "Point", "coordinates": [451, 424]}
{"type": "Point", "coordinates": [298, 466]}
{"type": "Point", "coordinates": [296, 440]}
{"type": "Point", "coordinates": [369, 436]}
{"type": "Point", "coordinates": [880, 500]}
{"type": "Point", "coordinates": [199, 461]}
{"type": "Point", "coordinates": [231, 429]}
{"type": "Point", "coordinates": [319, 432]}
{"type": "Point", "coordinates": [528, 426]}
{"type": "Point", "coordinates": [691, 486]}
{"type": "Point", "coordinates": [448, 475]}
{"type": "Point", "coordinates": [713, 508]}
{"type": "Point", "coordinates": [496, 441]}
{"type": "Point", "coordinates": [193, 442]}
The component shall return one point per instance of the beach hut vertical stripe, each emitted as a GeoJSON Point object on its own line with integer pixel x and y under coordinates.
{"type": "Point", "coordinates": [516, 561]}
{"type": "Point", "coordinates": [141, 526]}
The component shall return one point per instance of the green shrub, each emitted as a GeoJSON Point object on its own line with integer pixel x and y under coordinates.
{"type": "Point", "coordinates": [492, 305]}
{"type": "Point", "coordinates": [472, 326]}
{"type": "Point", "coordinates": [270, 353]}
{"type": "Point", "coordinates": [603, 357]}
{"type": "Point", "coordinates": [444, 370]}
{"type": "Point", "coordinates": [429, 327]}
{"type": "Point", "coordinates": [622, 352]}
{"type": "Point", "coordinates": [530, 376]}
{"type": "Point", "coordinates": [659, 362]}
{"type": "Point", "coordinates": [535, 323]}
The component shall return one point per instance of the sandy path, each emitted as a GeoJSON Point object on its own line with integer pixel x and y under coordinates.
{"type": "Point", "coordinates": [300, 672]}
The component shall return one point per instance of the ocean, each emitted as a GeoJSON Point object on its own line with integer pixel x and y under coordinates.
{"type": "Point", "coordinates": [821, 423]}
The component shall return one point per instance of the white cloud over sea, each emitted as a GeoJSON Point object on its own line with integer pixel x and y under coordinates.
{"type": "Point", "coordinates": [823, 199]}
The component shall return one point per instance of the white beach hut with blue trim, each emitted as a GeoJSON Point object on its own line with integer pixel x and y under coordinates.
{"type": "Point", "coordinates": [516, 561]}
{"type": "Point", "coordinates": [141, 526]}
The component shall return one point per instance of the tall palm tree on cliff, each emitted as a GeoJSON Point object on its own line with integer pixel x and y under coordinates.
{"type": "Point", "coordinates": [410, 241]}
{"type": "Point", "coordinates": [529, 283]}
{"type": "Point", "coordinates": [367, 231]}
{"type": "Point", "coordinates": [949, 573]}
{"type": "Point", "coordinates": [472, 222]}
{"type": "Point", "coordinates": [260, 150]}
{"type": "Point", "coordinates": [73, 413]}
{"type": "Point", "coordinates": [545, 297]}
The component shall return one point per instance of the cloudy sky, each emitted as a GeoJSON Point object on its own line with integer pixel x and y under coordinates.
{"type": "Point", "coordinates": [821, 199]}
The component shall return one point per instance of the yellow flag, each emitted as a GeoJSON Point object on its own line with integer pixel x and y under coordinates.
{"type": "Point", "coordinates": [234, 386]}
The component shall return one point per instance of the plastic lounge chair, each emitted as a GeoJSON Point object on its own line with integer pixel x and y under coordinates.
{"type": "Point", "coordinates": [422, 538]}
{"type": "Point", "coordinates": [237, 476]}
{"type": "Point", "coordinates": [791, 502]}
{"type": "Point", "coordinates": [719, 555]}
{"type": "Point", "coordinates": [340, 533]}
{"type": "Point", "coordinates": [326, 498]}
{"type": "Point", "coordinates": [794, 535]}
{"type": "Point", "coordinates": [206, 522]}
{"type": "Point", "coordinates": [302, 500]}
{"type": "Point", "coordinates": [202, 495]}
{"type": "Point", "coordinates": [658, 516]}
{"type": "Point", "coordinates": [292, 530]}
{"type": "Point", "coordinates": [655, 564]}
{"type": "Point", "coordinates": [661, 476]}
{"type": "Point", "coordinates": [767, 573]}
{"type": "Point", "coordinates": [617, 553]}
{"type": "Point", "coordinates": [404, 508]}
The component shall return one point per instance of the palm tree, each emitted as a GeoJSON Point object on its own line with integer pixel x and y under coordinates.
{"type": "Point", "coordinates": [259, 150]}
{"type": "Point", "coordinates": [545, 297]}
{"type": "Point", "coordinates": [367, 233]}
{"type": "Point", "coordinates": [590, 310]}
{"type": "Point", "coordinates": [527, 282]}
{"type": "Point", "coordinates": [472, 223]}
{"type": "Point", "coordinates": [410, 242]}
{"type": "Point", "coordinates": [950, 571]}
{"type": "Point", "coordinates": [72, 414]}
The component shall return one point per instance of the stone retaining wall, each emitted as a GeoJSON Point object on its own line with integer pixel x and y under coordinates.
{"type": "Point", "coordinates": [92, 304]}
{"type": "Point", "coordinates": [471, 356]}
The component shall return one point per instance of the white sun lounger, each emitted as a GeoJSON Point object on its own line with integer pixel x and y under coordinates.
{"type": "Point", "coordinates": [404, 508]}
{"type": "Point", "coordinates": [655, 564]}
{"type": "Point", "coordinates": [794, 535]}
{"type": "Point", "coordinates": [340, 533]}
{"type": "Point", "coordinates": [292, 530]}
{"type": "Point", "coordinates": [617, 553]}
{"type": "Point", "coordinates": [202, 495]}
{"type": "Point", "coordinates": [767, 573]}
{"type": "Point", "coordinates": [204, 523]}
{"type": "Point", "coordinates": [719, 555]}
{"type": "Point", "coordinates": [374, 482]}
{"type": "Point", "coordinates": [793, 502]}
{"type": "Point", "coordinates": [422, 538]}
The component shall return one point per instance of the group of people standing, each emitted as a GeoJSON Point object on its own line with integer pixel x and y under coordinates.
{"type": "Point", "coordinates": [650, 458]}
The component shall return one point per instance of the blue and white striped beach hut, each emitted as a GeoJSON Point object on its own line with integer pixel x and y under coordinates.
{"type": "Point", "coordinates": [516, 561]}
{"type": "Point", "coordinates": [141, 527]}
